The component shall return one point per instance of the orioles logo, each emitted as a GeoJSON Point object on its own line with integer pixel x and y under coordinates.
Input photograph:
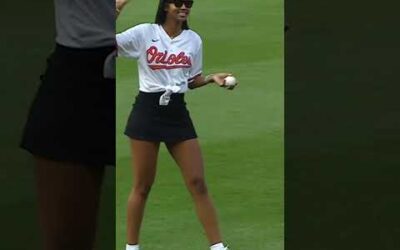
{"type": "Point", "coordinates": [162, 60]}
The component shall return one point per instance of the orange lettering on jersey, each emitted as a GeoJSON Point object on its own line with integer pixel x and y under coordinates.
{"type": "Point", "coordinates": [162, 60]}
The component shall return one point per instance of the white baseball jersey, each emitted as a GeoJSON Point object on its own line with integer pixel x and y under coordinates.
{"type": "Point", "coordinates": [163, 63]}
{"type": "Point", "coordinates": [85, 23]}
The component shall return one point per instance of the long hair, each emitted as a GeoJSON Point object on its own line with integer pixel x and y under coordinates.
{"type": "Point", "coordinates": [161, 15]}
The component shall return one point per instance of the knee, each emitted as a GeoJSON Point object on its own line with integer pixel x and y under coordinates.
{"type": "Point", "coordinates": [197, 186]}
{"type": "Point", "coordinates": [142, 191]}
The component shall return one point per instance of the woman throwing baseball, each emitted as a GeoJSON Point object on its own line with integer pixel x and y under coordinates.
{"type": "Point", "coordinates": [169, 58]}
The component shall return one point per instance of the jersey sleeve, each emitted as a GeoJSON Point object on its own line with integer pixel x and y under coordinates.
{"type": "Point", "coordinates": [197, 64]}
{"type": "Point", "coordinates": [129, 42]}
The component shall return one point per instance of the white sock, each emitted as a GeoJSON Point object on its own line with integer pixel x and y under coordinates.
{"type": "Point", "coordinates": [132, 247]}
{"type": "Point", "coordinates": [218, 246]}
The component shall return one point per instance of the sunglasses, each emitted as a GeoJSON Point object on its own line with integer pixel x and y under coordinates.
{"type": "Point", "coordinates": [179, 3]}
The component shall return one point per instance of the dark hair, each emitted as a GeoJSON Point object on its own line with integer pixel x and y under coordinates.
{"type": "Point", "coordinates": [161, 15]}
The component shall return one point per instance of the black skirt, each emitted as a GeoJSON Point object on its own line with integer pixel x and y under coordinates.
{"type": "Point", "coordinates": [150, 121]}
{"type": "Point", "coordinates": [72, 117]}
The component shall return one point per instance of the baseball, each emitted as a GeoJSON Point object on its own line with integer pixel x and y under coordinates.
{"type": "Point", "coordinates": [230, 81]}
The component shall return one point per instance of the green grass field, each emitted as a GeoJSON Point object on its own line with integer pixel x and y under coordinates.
{"type": "Point", "coordinates": [240, 131]}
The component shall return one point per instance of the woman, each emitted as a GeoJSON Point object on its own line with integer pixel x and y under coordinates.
{"type": "Point", "coordinates": [169, 57]}
{"type": "Point", "coordinates": [74, 105]}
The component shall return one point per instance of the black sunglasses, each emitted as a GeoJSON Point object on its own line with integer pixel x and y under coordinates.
{"type": "Point", "coordinates": [179, 3]}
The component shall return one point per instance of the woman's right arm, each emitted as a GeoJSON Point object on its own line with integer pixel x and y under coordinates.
{"type": "Point", "coordinates": [119, 5]}
{"type": "Point", "coordinates": [130, 42]}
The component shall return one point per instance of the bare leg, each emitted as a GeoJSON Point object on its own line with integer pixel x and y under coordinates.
{"type": "Point", "coordinates": [68, 197]}
{"type": "Point", "coordinates": [144, 172]}
{"type": "Point", "coordinates": [187, 155]}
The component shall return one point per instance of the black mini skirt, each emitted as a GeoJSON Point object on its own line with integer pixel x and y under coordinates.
{"type": "Point", "coordinates": [149, 121]}
{"type": "Point", "coordinates": [72, 117]}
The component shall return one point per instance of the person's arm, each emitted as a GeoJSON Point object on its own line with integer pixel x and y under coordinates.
{"type": "Point", "coordinates": [218, 78]}
{"type": "Point", "coordinates": [197, 79]}
{"type": "Point", "coordinates": [119, 5]}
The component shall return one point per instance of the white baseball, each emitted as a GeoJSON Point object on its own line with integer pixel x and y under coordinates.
{"type": "Point", "coordinates": [230, 81]}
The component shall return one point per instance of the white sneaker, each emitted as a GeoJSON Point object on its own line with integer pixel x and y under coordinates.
{"type": "Point", "coordinates": [219, 246]}
{"type": "Point", "coordinates": [132, 247]}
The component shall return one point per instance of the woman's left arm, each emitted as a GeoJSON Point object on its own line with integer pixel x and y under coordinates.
{"type": "Point", "coordinates": [218, 78]}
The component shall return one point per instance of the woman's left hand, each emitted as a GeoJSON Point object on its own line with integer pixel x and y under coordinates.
{"type": "Point", "coordinates": [219, 78]}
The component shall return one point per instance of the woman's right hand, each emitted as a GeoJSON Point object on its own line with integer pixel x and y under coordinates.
{"type": "Point", "coordinates": [120, 4]}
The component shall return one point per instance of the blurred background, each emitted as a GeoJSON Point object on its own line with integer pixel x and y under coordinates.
{"type": "Point", "coordinates": [27, 39]}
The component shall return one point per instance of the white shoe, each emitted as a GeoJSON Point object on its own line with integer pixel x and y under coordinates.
{"type": "Point", "coordinates": [219, 246]}
{"type": "Point", "coordinates": [132, 247]}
